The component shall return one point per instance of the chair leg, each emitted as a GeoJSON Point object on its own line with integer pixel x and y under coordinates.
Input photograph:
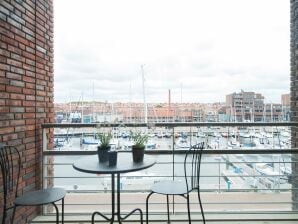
{"type": "Point", "coordinates": [3, 216]}
{"type": "Point", "coordinates": [201, 206]}
{"type": "Point", "coordinates": [57, 213]}
{"type": "Point", "coordinates": [188, 208]}
{"type": "Point", "coordinates": [62, 211]}
{"type": "Point", "coordinates": [147, 200]}
{"type": "Point", "coordinates": [168, 208]}
{"type": "Point", "coordinates": [13, 213]}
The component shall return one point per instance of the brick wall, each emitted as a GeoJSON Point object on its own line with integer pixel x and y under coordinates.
{"type": "Point", "coordinates": [294, 94]}
{"type": "Point", "coordinates": [26, 84]}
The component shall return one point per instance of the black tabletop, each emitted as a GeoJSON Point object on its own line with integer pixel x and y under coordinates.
{"type": "Point", "coordinates": [125, 164]}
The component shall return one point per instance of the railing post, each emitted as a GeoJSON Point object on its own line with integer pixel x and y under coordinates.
{"type": "Point", "coordinates": [44, 140]}
{"type": "Point", "coordinates": [218, 159]}
{"type": "Point", "coordinates": [173, 148]}
{"type": "Point", "coordinates": [190, 136]}
{"type": "Point", "coordinates": [219, 176]}
{"type": "Point", "coordinates": [44, 148]}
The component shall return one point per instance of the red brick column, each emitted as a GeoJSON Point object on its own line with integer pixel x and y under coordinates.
{"type": "Point", "coordinates": [26, 84]}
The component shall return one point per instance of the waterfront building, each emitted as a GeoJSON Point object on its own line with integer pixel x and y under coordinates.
{"type": "Point", "coordinates": [245, 106]}
{"type": "Point", "coordinates": [134, 112]}
{"type": "Point", "coordinates": [286, 106]}
{"type": "Point", "coordinates": [272, 112]}
{"type": "Point", "coordinates": [250, 106]}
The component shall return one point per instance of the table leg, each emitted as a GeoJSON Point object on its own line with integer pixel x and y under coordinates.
{"type": "Point", "coordinates": [118, 209]}
{"type": "Point", "coordinates": [113, 198]}
{"type": "Point", "coordinates": [112, 219]}
{"type": "Point", "coordinates": [118, 205]}
{"type": "Point", "coordinates": [118, 198]}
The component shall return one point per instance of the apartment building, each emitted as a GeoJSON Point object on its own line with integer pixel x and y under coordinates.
{"type": "Point", "coordinates": [286, 106]}
{"type": "Point", "coordinates": [250, 106]}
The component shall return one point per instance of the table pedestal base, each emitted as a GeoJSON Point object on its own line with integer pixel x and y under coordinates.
{"type": "Point", "coordinates": [116, 213]}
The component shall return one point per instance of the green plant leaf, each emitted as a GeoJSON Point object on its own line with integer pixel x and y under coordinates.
{"type": "Point", "coordinates": [139, 139]}
{"type": "Point", "coordinates": [105, 139]}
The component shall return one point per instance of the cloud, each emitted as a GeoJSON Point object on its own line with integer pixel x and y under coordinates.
{"type": "Point", "coordinates": [201, 50]}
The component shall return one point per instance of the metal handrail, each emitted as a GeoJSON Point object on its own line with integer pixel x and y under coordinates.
{"type": "Point", "coordinates": [171, 124]}
{"type": "Point", "coordinates": [207, 152]}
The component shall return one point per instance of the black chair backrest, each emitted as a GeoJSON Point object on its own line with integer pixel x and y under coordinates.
{"type": "Point", "coordinates": [10, 164]}
{"type": "Point", "coordinates": [192, 166]}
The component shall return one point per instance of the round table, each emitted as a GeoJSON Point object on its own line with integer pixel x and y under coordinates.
{"type": "Point", "coordinates": [125, 164]}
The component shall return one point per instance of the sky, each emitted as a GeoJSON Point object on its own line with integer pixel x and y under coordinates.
{"type": "Point", "coordinates": [201, 50]}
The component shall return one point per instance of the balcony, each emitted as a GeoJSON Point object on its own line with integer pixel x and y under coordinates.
{"type": "Point", "coordinates": [242, 179]}
{"type": "Point", "coordinates": [26, 99]}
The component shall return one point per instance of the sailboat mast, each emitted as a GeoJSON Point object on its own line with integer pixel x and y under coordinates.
{"type": "Point", "coordinates": [93, 102]}
{"type": "Point", "coordinates": [181, 93]}
{"type": "Point", "coordinates": [130, 121]}
{"type": "Point", "coordinates": [264, 112]}
{"type": "Point", "coordinates": [231, 113]}
{"type": "Point", "coordinates": [68, 119]}
{"type": "Point", "coordinates": [271, 112]}
{"type": "Point", "coordinates": [144, 95]}
{"type": "Point", "coordinates": [253, 110]}
{"type": "Point", "coordinates": [82, 108]}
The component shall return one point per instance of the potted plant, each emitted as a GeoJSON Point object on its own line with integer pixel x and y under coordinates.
{"type": "Point", "coordinates": [104, 146]}
{"type": "Point", "coordinates": [138, 147]}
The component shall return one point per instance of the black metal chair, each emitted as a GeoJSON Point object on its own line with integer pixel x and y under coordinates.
{"type": "Point", "coordinates": [192, 165]}
{"type": "Point", "coordinates": [10, 164]}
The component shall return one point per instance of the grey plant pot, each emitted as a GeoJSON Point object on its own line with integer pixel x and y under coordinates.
{"type": "Point", "coordinates": [138, 154]}
{"type": "Point", "coordinates": [102, 153]}
{"type": "Point", "coordinates": [112, 158]}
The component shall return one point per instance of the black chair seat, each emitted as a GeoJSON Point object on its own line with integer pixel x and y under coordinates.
{"type": "Point", "coordinates": [192, 167]}
{"type": "Point", "coordinates": [41, 197]}
{"type": "Point", "coordinates": [170, 187]}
